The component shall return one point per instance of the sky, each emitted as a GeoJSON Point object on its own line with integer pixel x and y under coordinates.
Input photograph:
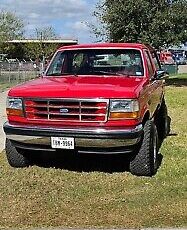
{"type": "Point", "coordinates": [68, 17]}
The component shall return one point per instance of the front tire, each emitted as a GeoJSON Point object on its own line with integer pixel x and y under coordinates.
{"type": "Point", "coordinates": [145, 162]}
{"type": "Point", "coordinates": [16, 157]}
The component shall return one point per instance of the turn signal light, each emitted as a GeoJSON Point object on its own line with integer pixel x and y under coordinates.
{"type": "Point", "coordinates": [14, 112]}
{"type": "Point", "coordinates": [124, 115]}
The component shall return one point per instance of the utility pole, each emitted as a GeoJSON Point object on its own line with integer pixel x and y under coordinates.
{"type": "Point", "coordinates": [42, 50]}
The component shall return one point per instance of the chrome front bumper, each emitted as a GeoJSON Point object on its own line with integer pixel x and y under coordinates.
{"type": "Point", "coordinates": [84, 137]}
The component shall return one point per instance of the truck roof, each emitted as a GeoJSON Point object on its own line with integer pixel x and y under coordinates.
{"type": "Point", "coordinates": [106, 45]}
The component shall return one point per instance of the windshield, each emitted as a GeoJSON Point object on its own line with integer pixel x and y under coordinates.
{"type": "Point", "coordinates": [122, 62]}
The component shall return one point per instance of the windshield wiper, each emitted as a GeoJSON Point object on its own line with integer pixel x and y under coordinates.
{"type": "Point", "coordinates": [61, 74]}
{"type": "Point", "coordinates": [95, 72]}
{"type": "Point", "coordinates": [111, 73]}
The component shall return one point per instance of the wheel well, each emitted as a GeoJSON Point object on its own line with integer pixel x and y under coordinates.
{"type": "Point", "coordinates": [157, 110]}
{"type": "Point", "coordinates": [156, 114]}
{"type": "Point", "coordinates": [146, 117]}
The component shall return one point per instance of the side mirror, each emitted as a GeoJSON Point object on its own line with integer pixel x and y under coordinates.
{"type": "Point", "coordinates": [160, 75]}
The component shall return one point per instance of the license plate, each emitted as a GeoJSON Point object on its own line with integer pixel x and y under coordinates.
{"type": "Point", "coordinates": [62, 142]}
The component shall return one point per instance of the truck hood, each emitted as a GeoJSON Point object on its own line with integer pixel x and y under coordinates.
{"type": "Point", "coordinates": [80, 87]}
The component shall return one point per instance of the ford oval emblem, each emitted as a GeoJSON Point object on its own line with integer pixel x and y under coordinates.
{"type": "Point", "coordinates": [64, 110]}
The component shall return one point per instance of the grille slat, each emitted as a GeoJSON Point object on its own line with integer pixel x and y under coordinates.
{"type": "Point", "coordinates": [74, 110]}
{"type": "Point", "coordinates": [65, 114]}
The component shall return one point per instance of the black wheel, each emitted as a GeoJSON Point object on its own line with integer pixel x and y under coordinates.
{"type": "Point", "coordinates": [16, 157]}
{"type": "Point", "coordinates": [145, 161]}
{"type": "Point", "coordinates": [162, 121]}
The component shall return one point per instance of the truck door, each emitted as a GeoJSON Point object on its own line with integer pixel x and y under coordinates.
{"type": "Point", "coordinates": [155, 86]}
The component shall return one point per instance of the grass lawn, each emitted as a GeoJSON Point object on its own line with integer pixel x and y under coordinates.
{"type": "Point", "coordinates": [5, 86]}
{"type": "Point", "coordinates": [40, 197]}
{"type": "Point", "coordinates": [8, 80]}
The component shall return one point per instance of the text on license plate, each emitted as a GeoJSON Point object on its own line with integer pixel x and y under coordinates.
{"type": "Point", "coordinates": [62, 143]}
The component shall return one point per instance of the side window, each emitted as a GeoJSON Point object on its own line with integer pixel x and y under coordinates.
{"type": "Point", "coordinates": [149, 64]}
{"type": "Point", "coordinates": [156, 61]}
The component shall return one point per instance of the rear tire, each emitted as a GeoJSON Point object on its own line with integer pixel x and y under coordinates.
{"type": "Point", "coordinates": [162, 121]}
{"type": "Point", "coordinates": [16, 157]}
{"type": "Point", "coordinates": [145, 162]}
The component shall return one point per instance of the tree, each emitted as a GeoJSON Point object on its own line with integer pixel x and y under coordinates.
{"type": "Point", "coordinates": [11, 27]}
{"type": "Point", "coordinates": [41, 49]}
{"type": "Point", "coordinates": [45, 33]}
{"type": "Point", "coordinates": [157, 22]}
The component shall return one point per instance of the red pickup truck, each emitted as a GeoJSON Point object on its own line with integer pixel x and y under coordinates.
{"type": "Point", "coordinates": [96, 99]}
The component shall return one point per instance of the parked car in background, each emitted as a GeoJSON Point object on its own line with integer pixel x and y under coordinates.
{"type": "Point", "coordinates": [166, 57]}
{"type": "Point", "coordinates": [180, 60]}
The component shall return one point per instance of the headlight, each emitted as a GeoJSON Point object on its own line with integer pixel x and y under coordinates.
{"type": "Point", "coordinates": [124, 109]}
{"type": "Point", "coordinates": [14, 106]}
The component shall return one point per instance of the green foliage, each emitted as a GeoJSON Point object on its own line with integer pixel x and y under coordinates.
{"type": "Point", "coordinates": [38, 50]}
{"type": "Point", "coordinates": [157, 22]}
{"type": "Point", "coordinates": [11, 27]}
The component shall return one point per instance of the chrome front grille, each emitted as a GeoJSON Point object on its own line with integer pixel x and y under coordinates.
{"type": "Point", "coordinates": [73, 110]}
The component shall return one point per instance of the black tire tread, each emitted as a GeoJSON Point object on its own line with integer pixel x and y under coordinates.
{"type": "Point", "coordinates": [16, 158]}
{"type": "Point", "coordinates": [161, 119]}
{"type": "Point", "coordinates": [142, 164]}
